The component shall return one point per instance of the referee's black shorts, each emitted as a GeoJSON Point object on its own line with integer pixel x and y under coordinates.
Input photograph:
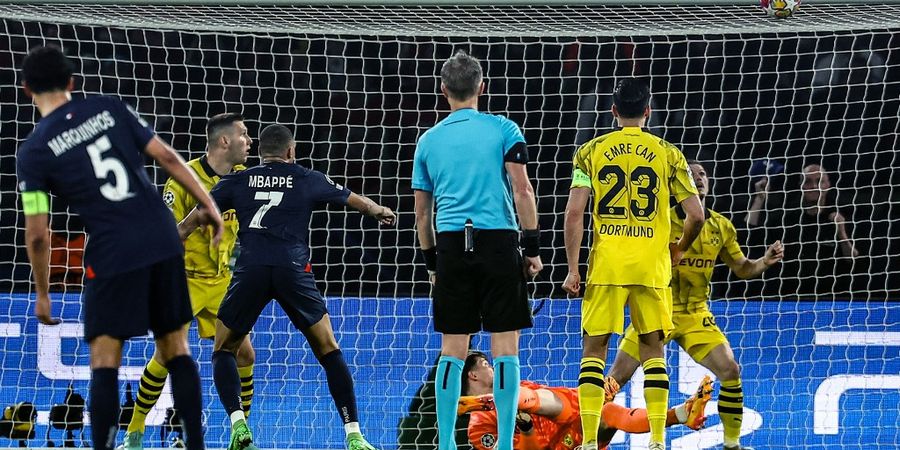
{"type": "Point", "coordinates": [484, 289]}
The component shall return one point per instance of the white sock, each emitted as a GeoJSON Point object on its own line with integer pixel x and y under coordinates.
{"type": "Point", "coordinates": [681, 413]}
{"type": "Point", "coordinates": [237, 416]}
{"type": "Point", "coordinates": [352, 427]}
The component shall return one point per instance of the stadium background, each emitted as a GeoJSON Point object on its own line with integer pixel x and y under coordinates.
{"type": "Point", "coordinates": [358, 104]}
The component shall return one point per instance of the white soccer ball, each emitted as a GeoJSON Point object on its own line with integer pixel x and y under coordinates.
{"type": "Point", "coordinates": [780, 8]}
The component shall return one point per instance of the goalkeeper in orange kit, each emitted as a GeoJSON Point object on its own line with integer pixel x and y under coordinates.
{"type": "Point", "coordinates": [548, 417]}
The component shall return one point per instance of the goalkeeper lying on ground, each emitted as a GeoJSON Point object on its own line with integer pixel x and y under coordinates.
{"type": "Point", "coordinates": [548, 417]}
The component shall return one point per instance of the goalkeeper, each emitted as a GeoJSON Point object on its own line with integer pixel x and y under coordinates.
{"type": "Point", "coordinates": [695, 326]}
{"type": "Point", "coordinates": [207, 267]}
{"type": "Point", "coordinates": [548, 417]}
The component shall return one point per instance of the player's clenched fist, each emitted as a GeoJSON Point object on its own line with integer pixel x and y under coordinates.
{"type": "Point", "coordinates": [572, 284]}
{"type": "Point", "coordinates": [774, 253]}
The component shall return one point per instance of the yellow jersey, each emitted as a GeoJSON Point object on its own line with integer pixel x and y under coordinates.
{"type": "Point", "coordinates": [693, 275]}
{"type": "Point", "coordinates": [200, 259]}
{"type": "Point", "coordinates": [632, 174]}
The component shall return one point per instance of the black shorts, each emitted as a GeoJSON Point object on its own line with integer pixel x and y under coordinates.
{"type": "Point", "coordinates": [483, 289]}
{"type": "Point", "coordinates": [128, 304]}
{"type": "Point", "coordinates": [253, 287]}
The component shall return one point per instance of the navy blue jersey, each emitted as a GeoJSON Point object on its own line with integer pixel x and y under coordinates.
{"type": "Point", "coordinates": [273, 203]}
{"type": "Point", "coordinates": [90, 153]}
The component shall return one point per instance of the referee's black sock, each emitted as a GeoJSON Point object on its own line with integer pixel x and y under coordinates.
{"type": "Point", "coordinates": [104, 407]}
{"type": "Point", "coordinates": [228, 383]}
{"type": "Point", "coordinates": [188, 399]}
{"type": "Point", "coordinates": [340, 384]}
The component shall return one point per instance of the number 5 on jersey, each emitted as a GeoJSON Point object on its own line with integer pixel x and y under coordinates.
{"type": "Point", "coordinates": [117, 189]}
{"type": "Point", "coordinates": [274, 199]}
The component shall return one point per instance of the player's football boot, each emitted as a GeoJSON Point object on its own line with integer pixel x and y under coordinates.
{"type": "Point", "coordinates": [656, 446]}
{"type": "Point", "coordinates": [587, 446]}
{"type": "Point", "coordinates": [241, 437]}
{"type": "Point", "coordinates": [739, 447]}
{"type": "Point", "coordinates": [470, 403]}
{"type": "Point", "coordinates": [133, 441]}
{"type": "Point", "coordinates": [356, 441]}
{"type": "Point", "coordinates": [611, 386]}
{"type": "Point", "coordinates": [695, 405]}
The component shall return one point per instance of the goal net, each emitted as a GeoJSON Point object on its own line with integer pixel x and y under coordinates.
{"type": "Point", "coordinates": [759, 101]}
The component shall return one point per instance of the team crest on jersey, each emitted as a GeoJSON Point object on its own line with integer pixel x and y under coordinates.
{"type": "Point", "coordinates": [169, 198]}
{"type": "Point", "coordinates": [488, 440]}
{"type": "Point", "coordinates": [567, 440]}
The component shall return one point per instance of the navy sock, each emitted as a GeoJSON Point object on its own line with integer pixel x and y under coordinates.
{"type": "Point", "coordinates": [340, 384]}
{"type": "Point", "coordinates": [104, 407]}
{"type": "Point", "coordinates": [228, 382]}
{"type": "Point", "coordinates": [188, 399]}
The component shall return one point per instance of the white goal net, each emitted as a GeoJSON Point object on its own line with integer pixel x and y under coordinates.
{"type": "Point", "coordinates": [752, 97]}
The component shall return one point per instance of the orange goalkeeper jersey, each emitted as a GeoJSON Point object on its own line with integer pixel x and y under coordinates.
{"type": "Point", "coordinates": [549, 434]}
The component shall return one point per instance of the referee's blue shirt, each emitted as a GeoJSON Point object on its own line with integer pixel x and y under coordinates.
{"type": "Point", "coordinates": [460, 161]}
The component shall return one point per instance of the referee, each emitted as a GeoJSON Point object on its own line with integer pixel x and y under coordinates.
{"type": "Point", "coordinates": [473, 165]}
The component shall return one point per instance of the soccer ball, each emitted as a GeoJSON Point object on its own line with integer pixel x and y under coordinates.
{"type": "Point", "coordinates": [780, 8]}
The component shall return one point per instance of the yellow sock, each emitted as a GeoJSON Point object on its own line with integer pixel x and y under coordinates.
{"type": "Point", "coordinates": [152, 381]}
{"type": "Point", "coordinates": [731, 410]}
{"type": "Point", "coordinates": [591, 394]}
{"type": "Point", "coordinates": [246, 374]}
{"type": "Point", "coordinates": [656, 394]}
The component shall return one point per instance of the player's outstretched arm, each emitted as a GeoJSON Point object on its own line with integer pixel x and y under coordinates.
{"type": "Point", "coordinates": [37, 243]}
{"type": "Point", "coordinates": [526, 208]}
{"type": "Point", "coordinates": [574, 233]}
{"type": "Point", "coordinates": [368, 207]}
{"type": "Point", "coordinates": [693, 223]}
{"type": "Point", "coordinates": [745, 268]}
{"type": "Point", "coordinates": [172, 163]}
{"type": "Point", "coordinates": [425, 229]}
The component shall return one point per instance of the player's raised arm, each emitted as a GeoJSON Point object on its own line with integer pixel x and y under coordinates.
{"type": "Point", "coordinates": [745, 268]}
{"type": "Point", "coordinates": [368, 207]}
{"type": "Point", "coordinates": [172, 163]}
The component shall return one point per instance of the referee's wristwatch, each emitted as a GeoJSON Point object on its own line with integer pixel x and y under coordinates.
{"type": "Point", "coordinates": [430, 255]}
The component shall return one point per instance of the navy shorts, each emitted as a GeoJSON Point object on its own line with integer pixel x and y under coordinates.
{"type": "Point", "coordinates": [253, 287]}
{"type": "Point", "coordinates": [128, 304]}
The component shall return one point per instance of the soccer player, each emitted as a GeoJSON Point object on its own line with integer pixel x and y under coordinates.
{"type": "Point", "coordinates": [208, 271]}
{"type": "Point", "coordinates": [90, 153]}
{"type": "Point", "coordinates": [472, 165]}
{"type": "Point", "coordinates": [632, 174]}
{"type": "Point", "coordinates": [548, 417]}
{"type": "Point", "coordinates": [695, 327]}
{"type": "Point", "coordinates": [273, 203]}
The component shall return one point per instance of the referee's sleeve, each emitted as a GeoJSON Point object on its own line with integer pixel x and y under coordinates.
{"type": "Point", "coordinates": [421, 180]}
{"type": "Point", "coordinates": [512, 136]}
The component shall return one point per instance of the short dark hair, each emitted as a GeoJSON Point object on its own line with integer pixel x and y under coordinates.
{"type": "Point", "coordinates": [217, 123]}
{"type": "Point", "coordinates": [631, 97]}
{"type": "Point", "coordinates": [46, 69]}
{"type": "Point", "coordinates": [461, 74]}
{"type": "Point", "coordinates": [468, 365]}
{"type": "Point", "coordinates": [274, 140]}
{"type": "Point", "coordinates": [694, 162]}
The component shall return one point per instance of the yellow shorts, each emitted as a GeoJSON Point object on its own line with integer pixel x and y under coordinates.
{"type": "Point", "coordinates": [696, 333]}
{"type": "Point", "coordinates": [603, 309]}
{"type": "Point", "coordinates": [206, 296]}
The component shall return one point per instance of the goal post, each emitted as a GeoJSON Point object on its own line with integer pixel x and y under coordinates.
{"type": "Point", "coordinates": [752, 97]}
